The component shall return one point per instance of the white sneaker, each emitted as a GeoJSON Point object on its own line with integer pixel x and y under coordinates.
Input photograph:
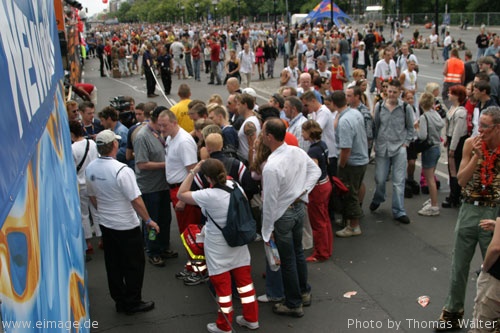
{"type": "Point", "coordinates": [349, 232]}
{"type": "Point", "coordinates": [426, 203]}
{"type": "Point", "coordinates": [243, 323]}
{"type": "Point", "coordinates": [429, 211]}
{"type": "Point", "coordinates": [212, 328]}
{"type": "Point", "coordinates": [258, 238]}
{"type": "Point", "coordinates": [266, 299]}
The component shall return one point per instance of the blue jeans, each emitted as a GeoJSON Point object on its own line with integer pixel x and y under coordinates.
{"type": "Point", "coordinates": [274, 283]}
{"type": "Point", "coordinates": [382, 164]}
{"type": "Point", "coordinates": [345, 62]}
{"type": "Point", "coordinates": [288, 237]}
{"type": "Point", "coordinates": [158, 206]}
{"type": "Point", "coordinates": [196, 63]}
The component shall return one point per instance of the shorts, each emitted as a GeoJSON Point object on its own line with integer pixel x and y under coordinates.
{"type": "Point", "coordinates": [430, 157]}
{"type": "Point", "coordinates": [178, 63]}
{"type": "Point", "coordinates": [260, 60]}
{"type": "Point", "coordinates": [411, 154]}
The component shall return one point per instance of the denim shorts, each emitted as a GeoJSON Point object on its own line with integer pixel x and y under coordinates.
{"type": "Point", "coordinates": [430, 157]}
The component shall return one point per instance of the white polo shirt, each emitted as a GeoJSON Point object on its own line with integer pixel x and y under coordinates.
{"type": "Point", "coordinates": [180, 151]}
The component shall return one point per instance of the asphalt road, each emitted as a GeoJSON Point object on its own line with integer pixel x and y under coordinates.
{"type": "Point", "coordinates": [389, 266]}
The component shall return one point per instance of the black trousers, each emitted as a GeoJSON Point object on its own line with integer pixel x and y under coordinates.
{"type": "Point", "coordinates": [166, 78]}
{"type": "Point", "coordinates": [101, 64]}
{"type": "Point", "coordinates": [124, 260]}
{"type": "Point", "coordinates": [150, 80]}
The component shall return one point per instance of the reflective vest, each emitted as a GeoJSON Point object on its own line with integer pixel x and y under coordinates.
{"type": "Point", "coordinates": [456, 68]}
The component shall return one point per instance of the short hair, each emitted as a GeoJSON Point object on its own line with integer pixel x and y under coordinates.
{"type": "Point", "coordinates": [460, 92]}
{"type": "Point", "coordinates": [215, 98]}
{"type": "Point", "coordinates": [157, 112]}
{"type": "Point", "coordinates": [84, 105]}
{"type": "Point", "coordinates": [76, 128]}
{"type": "Point", "coordinates": [308, 96]}
{"type": "Point", "coordinates": [482, 76]}
{"type": "Point", "coordinates": [194, 102]}
{"type": "Point", "coordinates": [323, 58]}
{"type": "Point", "coordinates": [483, 86]}
{"type": "Point", "coordinates": [129, 99]}
{"type": "Point", "coordinates": [247, 100]}
{"type": "Point", "coordinates": [267, 111]}
{"type": "Point", "coordinates": [214, 141]}
{"type": "Point", "coordinates": [276, 128]}
{"type": "Point", "coordinates": [313, 128]}
{"type": "Point", "coordinates": [493, 112]}
{"type": "Point", "coordinates": [202, 123]}
{"type": "Point", "coordinates": [184, 91]}
{"type": "Point", "coordinates": [210, 129]}
{"type": "Point", "coordinates": [200, 109]}
{"type": "Point", "coordinates": [292, 57]}
{"type": "Point", "coordinates": [218, 110]}
{"type": "Point", "coordinates": [338, 98]}
{"type": "Point", "coordinates": [295, 102]}
{"type": "Point", "coordinates": [454, 52]}
{"type": "Point", "coordinates": [140, 106]}
{"type": "Point", "coordinates": [426, 101]}
{"type": "Point", "coordinates": [71, 103]}
{"type": "Point", "coordinates": [169, 114]}
{"type": "Point", "coordinates": [431, 87]}
{"type": "Point", "coordinates": [105, 149]}
{"type": "Point", "coordinates": [214, 169]}
{"type": "Point", "coordinates": [395, 83]}
{"type": "Point", "coordinates": [109, 112]}
{"type": "Point", "coordinates": [293, 91]}
{"type": "Point", "coordinates": [468, 54]}
{"type": "Point", "coordinates": [358, 72]}
{"type": "Point", "coordinates": [148, 108]}
{"type": "Point", "coordinates": [486, 60]}
{"type": "Point", "coordinates": [356, 91]}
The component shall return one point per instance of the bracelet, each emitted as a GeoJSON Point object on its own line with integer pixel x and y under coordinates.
{"type": "Point", "coordinates": [192, 172]}
{"type": "Point", "coordinates": [148, 221]}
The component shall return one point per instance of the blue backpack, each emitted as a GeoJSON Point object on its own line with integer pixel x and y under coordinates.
{"type": "Point", "coordinates": [241, 227]}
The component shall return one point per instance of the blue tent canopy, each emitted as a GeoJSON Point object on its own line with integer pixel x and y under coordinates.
{"type": "Point", "coordinates": [323, 10]}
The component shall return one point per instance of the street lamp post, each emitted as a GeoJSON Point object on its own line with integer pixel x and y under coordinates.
{"type": "Point", "coordinates": [196, 5]}
{"type": "Point", "coordinates": [215, 2]}
{"type": "Point", "coordinates": [274, 15]}
{"type": "Point", "coordinates": [239, 18]}
{"type": "Point", "coordinates": [183, 12]}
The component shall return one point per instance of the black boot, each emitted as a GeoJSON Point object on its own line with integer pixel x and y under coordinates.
{"type": "Point", "coordinates": [454, 199]}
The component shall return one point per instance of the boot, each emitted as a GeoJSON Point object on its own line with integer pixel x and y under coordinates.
{"type": "Point", "coordinates": [449, 321]}
{"type": "Point", "coordinates": [454, 199]}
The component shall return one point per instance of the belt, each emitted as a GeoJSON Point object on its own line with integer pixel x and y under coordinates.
{"type": "Point", "coordinates": [295, 204]}
{"type": "Point", "coordinates": [481, 203]}
{"type": "Point", "coordinates": [323, 181]}
{"type": "Point", "coordinates": [175, 185]}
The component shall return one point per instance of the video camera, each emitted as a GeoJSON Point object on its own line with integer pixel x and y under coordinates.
{"type": "Point", "coordinates": [127, 116]}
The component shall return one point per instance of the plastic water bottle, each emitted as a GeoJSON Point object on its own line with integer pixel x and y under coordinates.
{"type": "Point", "coordinates": [152, 234]}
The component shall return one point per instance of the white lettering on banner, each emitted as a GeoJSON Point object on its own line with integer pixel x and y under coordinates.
{"type": "Point", "coordinates": [30, 55]}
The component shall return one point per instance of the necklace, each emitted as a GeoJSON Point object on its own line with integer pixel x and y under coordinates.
{"type": "Point", "coordinates": [487, 166]}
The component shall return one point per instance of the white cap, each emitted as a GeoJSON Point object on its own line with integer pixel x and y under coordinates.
{"type": "Point", "coordinates": [105, 137]}
{"type": "Point", "coordinates": [250, 91]}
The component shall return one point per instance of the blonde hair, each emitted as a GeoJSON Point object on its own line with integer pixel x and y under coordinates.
{"type": "Point", "coordinates": [426, 101]}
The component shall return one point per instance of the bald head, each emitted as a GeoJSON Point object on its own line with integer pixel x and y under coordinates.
{"type": "Point", "coordinates": [232, 85]}
{"type": "Point", "coordinates": [305, 81]}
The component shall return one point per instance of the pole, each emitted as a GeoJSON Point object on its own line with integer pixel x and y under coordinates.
{"type": "Point", "coordinates": [331, 13]}
{"type": "Point", "coordinates": [285, 57]}
{"type": "Point", "coordinates": [169, 101]}
{"type": "Point", "coordinates": [274, 15]}
{"type": "Point", "coordinates": [436, 17]}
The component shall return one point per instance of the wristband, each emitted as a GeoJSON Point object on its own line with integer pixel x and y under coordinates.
{"type": "Point", "coordinates": [148, 221]}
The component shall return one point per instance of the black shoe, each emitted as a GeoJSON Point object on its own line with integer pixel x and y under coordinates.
{"type": "Point", "coordinates": [157, 261]}
{"type": "Point", "coordinates": [210, 83]}
{"type": "Point", "coordinates": [374, 206]}
{"type": "Point", "coordinates": [449, 204]}
{"type": "Point", "coordinates": [141, 307]}
{"type": "Point", "coordinates": [169, 254]}
{"type": "Point", "coordinates": [219, 84]}
{"type": "Point", "coordinates": [120, 307]}
{"type": "Point", "coordinates": [403, 219]}
{"type": "Point", "coordinates": [152, 95]}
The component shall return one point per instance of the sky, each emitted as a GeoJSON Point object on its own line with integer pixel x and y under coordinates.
{"type": "Point", "coordinates": [94, 6]}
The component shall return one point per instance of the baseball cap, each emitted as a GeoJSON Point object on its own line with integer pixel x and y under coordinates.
{"type": "Point", "coordinates": [361, 43]}
{"type": "Point", "coordinates": [250, 91]}
{"type": "Point", "coordinates": [105, 137]}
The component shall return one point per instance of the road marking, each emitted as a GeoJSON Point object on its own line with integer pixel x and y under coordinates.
{"type": "Point", "coordinates": [431, 77]}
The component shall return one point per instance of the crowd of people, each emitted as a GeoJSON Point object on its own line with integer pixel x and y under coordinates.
{"type": "Point", "coordinates": [325, 119]}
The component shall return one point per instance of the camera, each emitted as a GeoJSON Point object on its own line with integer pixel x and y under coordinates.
{"type": "Point", "coordinates": [127, 116]}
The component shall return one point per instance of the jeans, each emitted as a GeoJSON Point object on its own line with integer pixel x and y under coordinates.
{"type": "Point", "coordinates": [345, 62]}
{"type": "Point", "coordinates": [158, 206]}
{"type": "Point", "coordinates": [197, 63]}
{"type": "Point", "coordinates": [214, 74]}
{"type": "Point", "coordinates": [288, 237]}
{"type": "Point", "coordinates": [382, 165]}
{"type": "Point", "coordinates": [189, 65]}
{"type": "Point", "coordinates": [274, 282]}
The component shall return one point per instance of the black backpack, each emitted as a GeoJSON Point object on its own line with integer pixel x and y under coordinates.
{"type": "Point", "coordinates": [241, 227]}
{"type": "Point", "coordinates": [231, 151]}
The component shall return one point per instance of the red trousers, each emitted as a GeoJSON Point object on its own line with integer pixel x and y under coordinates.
{"type": "Point", "coordinates": [319, 217]}
{"type": "Point", "coordinates": [222, 284]}
{"type": "Point", "coordinates": [190, 215]}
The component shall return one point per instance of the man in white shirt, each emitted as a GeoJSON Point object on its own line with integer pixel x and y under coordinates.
{"type": "Point", "coordinates": [247, 65]}
{"type": "Point", "coordinates": [290, 75]}
{"type": "Point", "coordinates": [306, 86]}
{"type": "Point", "coordinates": [293, 111]}
{"type": "Point", "coordinates": [402, 63]}
{"type": "Point", "coordinates": [447, 46]}
{"type": "Point", "coordinates": [285, 190]}
{"type": "Point", "coordinates": [250, 128]}
{"type": "Point", "coordinates": [113, 190]}
{"type": "Point", "coordinates": [385, 68]}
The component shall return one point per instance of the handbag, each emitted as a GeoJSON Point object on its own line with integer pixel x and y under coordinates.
{"type": "Point", "coordinates": [423, 145]}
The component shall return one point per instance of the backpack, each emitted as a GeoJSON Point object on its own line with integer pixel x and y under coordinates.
{"type": "Point", "coordinates": [231, 151]}
{"type": "Point", "coordinates": [241, 227]}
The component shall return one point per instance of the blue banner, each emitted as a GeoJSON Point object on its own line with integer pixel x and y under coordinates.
{"type": "Point", "coordinates": [30, 68]}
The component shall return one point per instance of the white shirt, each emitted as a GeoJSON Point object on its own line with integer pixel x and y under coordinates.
{"type": "Point", "coordinates": [326, 74]}
{"type": "Point", "coordinates": [288, 173]}
{"type": "Point", "coordinates": [310, 63]}
{"type": "Point", "coordinates": [220, 257]}
{"type": "Point", "coordinates": [410, 80]}
{"type": "Point", "coordinates": [78, 149]}
{"type": "Point", "coordinates": [242, 138]}
{"type": "Point", "coordinates": [294, 76]}
{"type": "Point", "coordinates": [361, 57]}
{"type": "Point", "coordinates": [180, 152]}
{"type": "Point", "coordinates": [433, 39]}
{"type": "Point", "coordinates": [246, 61]}
{"type": "Point", "coordinates": [325, 119]}
{"type": "Point", "coordinates": [295, 127]}
{"type": "Point", "coordinates": [447, 41]}
{"type": "Point", "coordinates": [114, 186]}
{"type": "Point", "coordinates": [385, 70]}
